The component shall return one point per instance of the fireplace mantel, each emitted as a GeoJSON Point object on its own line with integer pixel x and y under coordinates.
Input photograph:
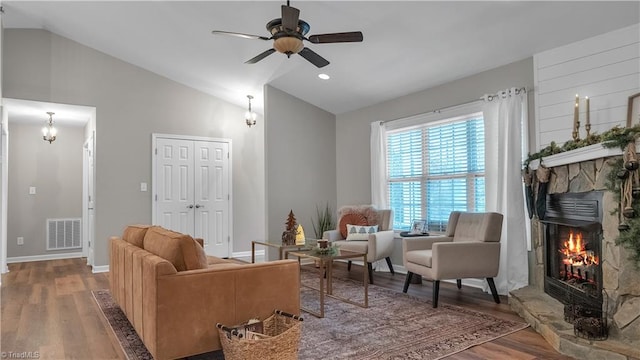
{"type": "Point", "coordinates": [586, 153]}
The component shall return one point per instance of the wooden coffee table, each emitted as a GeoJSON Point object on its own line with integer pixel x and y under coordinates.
{"type": "Point", "coordinates": [326, 271]}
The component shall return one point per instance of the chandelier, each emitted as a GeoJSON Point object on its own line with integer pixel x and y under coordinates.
{"type": "Point", "coordinates": [250, 116]}
{"type": "Point", "coordinates": [48, 131]}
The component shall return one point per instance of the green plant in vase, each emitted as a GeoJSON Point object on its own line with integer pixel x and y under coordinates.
{"type": "Point", "coordinates": [324, 221]}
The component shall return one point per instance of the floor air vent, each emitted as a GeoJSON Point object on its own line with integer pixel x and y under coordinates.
{"type": "Point", "coordinates": [63, 234]}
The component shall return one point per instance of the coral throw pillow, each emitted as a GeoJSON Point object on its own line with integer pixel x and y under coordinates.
{"type": "Point", "coordinates": [352, 219]}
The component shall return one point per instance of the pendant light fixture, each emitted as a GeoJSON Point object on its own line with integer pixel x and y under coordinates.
{"type": "Point", "coordinates": [48, 131]}
{"type": "Point", "coordinates": [250, 116]}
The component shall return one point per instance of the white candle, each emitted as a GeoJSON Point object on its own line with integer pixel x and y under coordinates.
{"type": "Point", "coordinates": [587, 122]}
{"type": "Point", "coordinates": [575, 113]}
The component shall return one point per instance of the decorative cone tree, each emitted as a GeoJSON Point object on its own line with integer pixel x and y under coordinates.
{"type": "Point", "coordinates": [289, 235]}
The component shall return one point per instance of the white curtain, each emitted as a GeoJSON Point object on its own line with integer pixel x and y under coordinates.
{"type": "Point", "coordinates": [505, 117]}
{"type": "Point", "coordinates": [379, 190]}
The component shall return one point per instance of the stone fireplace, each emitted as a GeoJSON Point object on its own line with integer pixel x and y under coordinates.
{"type": "Point", "coordinates": [574, 258]}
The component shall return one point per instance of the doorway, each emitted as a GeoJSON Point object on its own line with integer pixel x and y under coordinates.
{"type": "Point", "coordinates": [47, 191]}
{"type": "Point", "coordinates": [191, 184]}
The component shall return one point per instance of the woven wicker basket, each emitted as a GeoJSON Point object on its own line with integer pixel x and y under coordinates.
{"type": "Point", "coordinates": [283, 344]}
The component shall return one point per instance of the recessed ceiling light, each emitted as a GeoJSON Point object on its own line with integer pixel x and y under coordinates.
{"type": "Point", "coordinates": [324, 76]}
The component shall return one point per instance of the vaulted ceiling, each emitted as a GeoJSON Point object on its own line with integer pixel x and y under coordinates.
{"type": "Point", "coordinates": [407, 47]}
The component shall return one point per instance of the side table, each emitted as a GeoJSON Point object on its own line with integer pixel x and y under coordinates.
{"type": "Point", "coordinates": [282, 249]}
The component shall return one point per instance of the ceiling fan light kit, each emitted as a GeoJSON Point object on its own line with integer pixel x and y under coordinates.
{"type": "Point", "coordinates": [288, 33]}
{"type": "Point", "coordinates": [288, 45]}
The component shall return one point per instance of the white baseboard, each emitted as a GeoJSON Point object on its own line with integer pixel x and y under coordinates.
{"type": "Point", "coordinates": [58, 256]}
{"type": "Point", "coordinates": [100, 269]}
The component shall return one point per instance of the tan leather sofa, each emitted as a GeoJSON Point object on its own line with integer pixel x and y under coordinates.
{"type": "Point", "coordinates": [173, 294]}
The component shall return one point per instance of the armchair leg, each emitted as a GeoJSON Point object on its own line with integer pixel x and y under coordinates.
{"type": "Point", "coordinates": [459, 283]}
{"type": "Point", "coordinates": [349, 265]}
{"type": "Point", "coordinates": [370, 268]}
{"type": "Point", "coordinates": [390, 265]}
{"type": "Point", "coordinates": [436, 290]}
{"type": "Point", "coordinates": [494, 292]}
{"type": "Point", "coordinates": [407, 281]}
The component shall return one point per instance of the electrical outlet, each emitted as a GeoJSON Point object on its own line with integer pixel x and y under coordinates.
{"type": "Point", "coordinates": [32, 190]}
{"type": "Point", "coordinates": [143, 186]}
{"type": "Point", "coordinates": [20, 240]}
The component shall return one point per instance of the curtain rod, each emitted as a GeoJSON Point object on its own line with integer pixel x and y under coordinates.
{"type": "Point", "coordinates": [489, 97]}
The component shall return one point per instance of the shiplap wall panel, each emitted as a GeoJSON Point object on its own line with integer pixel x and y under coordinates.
{"type": "Point", "coordinates": [611, 56]}
{"type": "Point", "coordinates": [606, 68]}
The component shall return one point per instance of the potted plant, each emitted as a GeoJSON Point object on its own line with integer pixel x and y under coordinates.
{"type": "Point", "coordinates": [324, 221]}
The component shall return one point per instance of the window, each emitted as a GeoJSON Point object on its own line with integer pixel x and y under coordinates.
{"type": "Point", "coordinates": [436, 168]}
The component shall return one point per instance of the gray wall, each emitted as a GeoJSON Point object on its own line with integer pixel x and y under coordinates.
{"type": "Point", "coordinates": [131, 104]}
{"type": "Point", "coordinates": [55, 170]}
{"type": "Point", "coordinates": [300, 153]}
{"type": "Point", "coordinates": [353, 128]}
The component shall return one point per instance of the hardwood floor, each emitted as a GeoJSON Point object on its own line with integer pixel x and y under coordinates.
{"type": "Point", "coordinates": [47, 307]}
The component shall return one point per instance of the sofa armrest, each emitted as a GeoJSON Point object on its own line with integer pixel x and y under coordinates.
{"type": "Point", "coordinates": [480, 259]}
{"type": "Point", "coordinates": [422, 243]}
{"type": "Point", "coordinates": [198, 299]}
{"type": "Point", "coordinates": [332, 235]}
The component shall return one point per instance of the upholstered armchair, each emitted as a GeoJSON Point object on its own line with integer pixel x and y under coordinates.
{"type": "Point", "coordinates": [470, 248]}
{"type": "Point", "coordinates": [365, 229]}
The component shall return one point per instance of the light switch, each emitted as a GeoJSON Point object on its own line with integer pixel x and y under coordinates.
{"type": "Point", "coordinates": [143, 186]}
{"type": "Point", "coordinates": [32, 190]}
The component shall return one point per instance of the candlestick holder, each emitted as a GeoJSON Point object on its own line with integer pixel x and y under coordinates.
{"type": "Point", "coordinates": [576, 132]}
{"type": "Point", "coordinates": [588, 128]}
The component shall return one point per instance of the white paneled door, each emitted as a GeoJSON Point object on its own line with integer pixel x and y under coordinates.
{"type": "Point", "coordinates": [192, 192]}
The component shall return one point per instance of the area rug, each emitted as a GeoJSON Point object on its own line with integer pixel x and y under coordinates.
{"type": "Point", "coordinates": [394, 326]}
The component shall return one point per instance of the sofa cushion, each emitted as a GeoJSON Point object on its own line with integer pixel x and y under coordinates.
{"type": "Point", "coordinates": [134, 234]}
{"type": "Point", "coordinates": [356, 232]}
{"type": "Point", "coordinates": [179, 249]}
{"type": "Point", "coordinates": [216, 260]}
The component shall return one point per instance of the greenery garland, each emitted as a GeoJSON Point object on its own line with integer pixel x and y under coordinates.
{"type": "Point", "coordinates": [615, 137]}
{"type": "Point", "coordinates": [629, 231]}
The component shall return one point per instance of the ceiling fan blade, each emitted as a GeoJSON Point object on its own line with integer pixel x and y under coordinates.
{"type": "Point", "coordinates": [290, 17]}
{"type": "Point", "coordinates": [245, 36]}
{"type": "Point", "coordinates": [260, 56]}
{"type": "Point", "coordinates": [354, 36]}
{"type": "Point", "coordinates": [313, 57]}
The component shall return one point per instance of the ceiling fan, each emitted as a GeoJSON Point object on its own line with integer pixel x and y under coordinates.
{"type": "Point", "coordinates": [287, 34]}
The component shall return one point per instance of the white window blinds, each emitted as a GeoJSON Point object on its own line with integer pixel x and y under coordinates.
{"type": "Point", "coordinates": [434, 169]}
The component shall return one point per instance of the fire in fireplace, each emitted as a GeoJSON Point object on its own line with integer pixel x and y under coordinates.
{"type": "Point", "coordinates": [573, 236]}
{"type": "Point", "coordinates": [579, 260]}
